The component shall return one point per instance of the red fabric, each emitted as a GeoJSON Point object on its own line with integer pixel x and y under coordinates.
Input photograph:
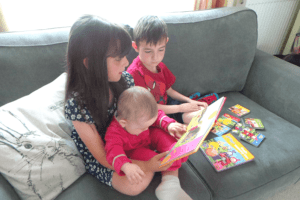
{"type": "Point", "coordinates": [119, 141]}
{"type": "Point", "coordinates": [209, 99]}
{"type": "Point", "coordinates": [156, 83]}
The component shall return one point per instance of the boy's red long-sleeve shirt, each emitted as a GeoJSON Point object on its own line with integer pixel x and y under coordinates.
{"type": "Point", "coordinates": [118, 140]}
{"type": "Point", "coordinates": [157, 83]}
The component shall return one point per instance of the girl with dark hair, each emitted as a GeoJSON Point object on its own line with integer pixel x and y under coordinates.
{"type": "Point", "coordinates": [96, 60]}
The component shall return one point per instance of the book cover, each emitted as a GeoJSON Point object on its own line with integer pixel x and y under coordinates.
{"type": "Point", "coordinates": [249, 135]}
{"type": "Point", "coordinates": [227, 121]}
{"type": "Point", "coordinates": [219, 129]}
{"type": "Point", "coordinates": [239, 110]}
{"type": "Point", "coordinates": [232, 117]}
{"type": "Point", "coordinates": [255, 123]}
{"type": "Point", "coordinates": [225, 152]}
{"type": "Point", "coordinates": [197, 130]}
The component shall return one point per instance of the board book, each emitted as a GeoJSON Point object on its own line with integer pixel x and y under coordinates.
{"type": "Point", "coordinates": [225, 152]}
{"type": "Point", "coordinates": [239, 110]}
{"type": "Point", "coordinates": [219, 129]}
{"type": "Point", "coordinates": [255, 123]}
{"type": "Point", "coordinates": [232, 117]}
{"type": "Point", "coordinates": [227, 121]}
{"type": "Point", "coordinates": [197, 130]}
{"type": "Point", "coordinates": [249, 135]}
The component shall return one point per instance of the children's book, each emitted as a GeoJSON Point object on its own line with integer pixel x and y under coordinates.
{"type": "Point", "coordinates": [219, 129]}
{"type": "Point", "coordinates": [255, 123]}
{"type": "Point", "coordinates": [248, 134]}
{"type": "Point", "coordinates": [227, 121]}
{"type": "Point", "coordinates": [197, 130]}
{"type": "Point", "coordinates": [232, 117]}
{"type": "Point", "coordinates": [239, 110]}
{"type": "Point", "coordinates": [225, 152]}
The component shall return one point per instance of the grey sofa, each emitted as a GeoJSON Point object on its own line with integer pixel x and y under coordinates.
{"type": "Point", "coordinates": [208, 51]}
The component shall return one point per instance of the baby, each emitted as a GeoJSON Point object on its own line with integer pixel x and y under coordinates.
{"type": "Point", "coordinates": [137, 129]}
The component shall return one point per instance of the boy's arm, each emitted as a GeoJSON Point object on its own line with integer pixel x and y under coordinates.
{"type": "Point", "coordinates": [176, 95]}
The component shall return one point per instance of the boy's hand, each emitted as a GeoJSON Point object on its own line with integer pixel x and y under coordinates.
{"type": "Point", "coordinates": [176, 129]}
{"type": "Point", "coordinates": [202, 104]}
{"type": "Point", "coordinates": [133, 172]}
{"type": "Point", "coordinates": [192, 106]}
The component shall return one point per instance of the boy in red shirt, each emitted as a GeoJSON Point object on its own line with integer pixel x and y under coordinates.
{"type": "Point", "coordinates": [150, 38]}
{"type": "Point", "coordinates": [137, 129]}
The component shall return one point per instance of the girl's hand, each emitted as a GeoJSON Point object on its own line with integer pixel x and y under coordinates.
{"type": "Point", "coordinates": [176, 129]}
{"type": "Point", "coordinates": [133, 173]}
{"type": "Point", "coordinates": [154, 163]}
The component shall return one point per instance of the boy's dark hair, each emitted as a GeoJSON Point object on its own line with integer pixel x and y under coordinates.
{"type": "Point", "coordinates": [96, 39]}
{"type": "Point", "coordinates": [136, 102]}
{"type": "Point", "coordinates": [150, 29]}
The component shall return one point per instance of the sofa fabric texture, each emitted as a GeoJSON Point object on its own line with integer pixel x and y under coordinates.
{"type": "Point", "coordinates": [208, 51]}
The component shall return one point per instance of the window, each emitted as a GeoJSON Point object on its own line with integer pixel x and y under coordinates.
{"type": "Point", "coordinates": [36, 14]}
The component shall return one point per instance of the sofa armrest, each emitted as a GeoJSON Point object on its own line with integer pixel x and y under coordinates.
{"type": "Point", "coordinates": [6, 190]}
{"type": "Point", "coordinates": [274, 84]}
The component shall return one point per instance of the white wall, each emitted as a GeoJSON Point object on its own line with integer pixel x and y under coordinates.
{"type": "Point", "coordinates": [274, 18]}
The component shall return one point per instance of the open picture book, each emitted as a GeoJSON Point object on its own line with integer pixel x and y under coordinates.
{"type": "Point", "coordinates": [225, 152]}
{"type": "Point", "coordinates": [197, 130]}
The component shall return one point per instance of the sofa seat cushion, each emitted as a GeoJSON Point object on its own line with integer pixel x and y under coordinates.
{"type": "Point", "coordinates": [276, 163]}
{"type": "Point", "coordinates": [88, 187]}
{"type": "Point", "coordinates": [38, 156]}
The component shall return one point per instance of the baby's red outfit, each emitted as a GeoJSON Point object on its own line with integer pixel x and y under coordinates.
{"type": "Point", "coordinates": [157, 83]}
{"type": "Point", "coordinates": [120, 144]}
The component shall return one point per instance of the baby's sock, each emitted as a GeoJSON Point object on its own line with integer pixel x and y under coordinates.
{"type": "Point", "coordinates": [170, 189]}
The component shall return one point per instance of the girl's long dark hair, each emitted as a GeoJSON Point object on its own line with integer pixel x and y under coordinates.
{"type": "Point", "coordinates": [96, 39]}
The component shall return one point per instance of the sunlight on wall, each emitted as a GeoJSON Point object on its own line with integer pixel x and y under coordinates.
{"type": "Point", "coordinates": [37, 14]}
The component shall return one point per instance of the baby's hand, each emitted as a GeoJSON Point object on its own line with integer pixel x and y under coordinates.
{"type": "Point", "coordinates": [176, 129]}
{"type": "Point", "coordinates": [133, 173]}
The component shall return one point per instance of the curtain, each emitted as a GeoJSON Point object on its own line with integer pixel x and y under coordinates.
{"type": "Point", "coordinates": [3, 25]}
{"type": "Point", "coordinates": [209, 4]}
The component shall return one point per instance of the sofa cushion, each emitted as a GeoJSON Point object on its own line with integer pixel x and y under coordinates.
{"type": "Point", "coordinates": [276, 163]}
{"type": "Point", "coordinates": [7, 192]}
{"type": "Point", "coordinates": [232, 34]}
{"type": "Point", "coordinates": [88, 187]}
{"type": "Point", "coordinates": [29, 60]}
{"type": "Point", "coordinates": [38, 156]}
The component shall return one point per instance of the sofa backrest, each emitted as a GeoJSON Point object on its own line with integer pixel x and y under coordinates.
{"type": "Point", "coordinates": [29, 60]}
{"type": "Point", "coordinates": [208, 51]}
{"type": "Point", "coordinates": [211, 50]}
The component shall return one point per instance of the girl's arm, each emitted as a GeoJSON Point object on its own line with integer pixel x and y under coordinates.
{"type": "Point", "coordinates": [90, 137]}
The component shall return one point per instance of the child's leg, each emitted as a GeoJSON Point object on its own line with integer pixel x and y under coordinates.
{"type": "Point", "coordinates": [163, 141]}
{"type": "Point", "coordinates": [170, 188]}
{"type": "Point", "coordinates": [187, 117]}
{"type": "Point", "coordinates": [121, 183]}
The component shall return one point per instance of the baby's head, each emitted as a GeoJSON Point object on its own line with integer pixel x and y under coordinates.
{"type": "Point", "coordinates": [137, 110]}
{"type": "Point", "coordinates": [150, 36]}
